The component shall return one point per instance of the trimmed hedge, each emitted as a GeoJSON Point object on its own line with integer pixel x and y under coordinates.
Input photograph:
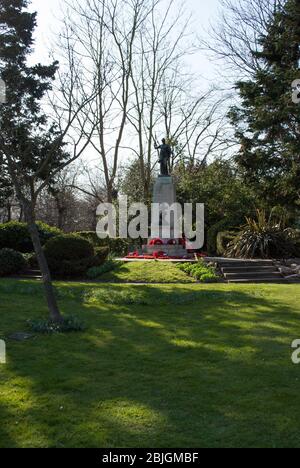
{"type": "Point", "coordinates": [11, 262]}
{"type": "Point", "coordinates": [68, 247]}
{"type": "Point", "coordinates": [116, 246]}
{"type": "Point", "coordinates": [71, 268]}
{"type": "Point", "coordinates": [15, 235]}
{"type": "Point", "coordinates": [70, 255]}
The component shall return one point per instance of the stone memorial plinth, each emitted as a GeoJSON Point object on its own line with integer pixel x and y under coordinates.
{"type": "Point", "coordinates": [164, 192]}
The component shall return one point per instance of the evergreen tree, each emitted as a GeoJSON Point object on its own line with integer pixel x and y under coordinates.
{"type": "Point", "coordinates": [268, 121]}
{"type": "Point", "coordinates": [30, 148]}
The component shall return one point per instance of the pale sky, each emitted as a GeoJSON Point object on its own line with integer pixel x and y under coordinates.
{"type": "Point", "coordinates": [49, 13]}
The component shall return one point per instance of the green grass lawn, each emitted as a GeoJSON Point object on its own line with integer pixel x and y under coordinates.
{"type": "Point", "coordinates": [147, 272]}
{"type": "Point", "coordinates": [158, 366]}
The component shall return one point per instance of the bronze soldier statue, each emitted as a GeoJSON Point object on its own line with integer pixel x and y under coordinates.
{"type": "Point", "coordinates": [164, 158]}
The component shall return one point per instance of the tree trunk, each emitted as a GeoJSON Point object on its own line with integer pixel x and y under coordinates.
{"type": "Point", "coordinates": [8, 212]}
{"type": "Point", "coordinates": [49, 291]}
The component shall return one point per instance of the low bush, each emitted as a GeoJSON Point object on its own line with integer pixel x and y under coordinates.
{"type": "Point", "coordinates": [68, 325]}
{"type": "Point", "coordinates": [68, 247]}
{"type": "Point", "coordinates": [212, 234]}
{"type": "Point", "coordinates": [71, 268]}
{"type": "Point", "coordinates": [69, 255]}
{"type": "Point", "coordinates": [101, 254]}
{"type": "Point", "coordinates": [31, 260]}
{"type": "Point", "coordinates": [224, 238]}
{"type": "Point", "coordinates": [11, 262]}
{"type": "Point", "coordinates": [117, 247]}
{"type": "Point", "coordinates": [200, 271]}
{"type": "Point", "coordinates": [15, 235]}
{"type": "Point", "coordinates": [92, 237]}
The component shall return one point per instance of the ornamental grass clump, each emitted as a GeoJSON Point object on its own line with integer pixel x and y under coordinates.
{"type": "Point", "coordinates": [264, 237]}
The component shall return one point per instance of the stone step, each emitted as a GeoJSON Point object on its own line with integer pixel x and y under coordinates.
{"type": "Point", "coordinates": [245, 264]}
{"type": "Point", "coordinates": [32, 272]}
{"type": "Point", "coordinates": [258, 281]}
{"type": "Point", "coordinates": [250, 269]}
{"type": "Point", "coordinates": [253, 275]}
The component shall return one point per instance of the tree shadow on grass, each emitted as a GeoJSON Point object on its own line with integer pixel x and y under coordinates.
{"type": "Point", "coordinates": [215, 371]}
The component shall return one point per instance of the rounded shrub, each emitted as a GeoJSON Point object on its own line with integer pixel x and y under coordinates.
{"type": "Point", "coordinates": [11, 262]}
{"type": "Point", "coordinates": [68, 247]}
{"type": "Point", "coordinates": [47, 232]}
{"type": "Point", "coordinates": [70, 255]}
{"type": "Point", "coordinates": [15, 235]}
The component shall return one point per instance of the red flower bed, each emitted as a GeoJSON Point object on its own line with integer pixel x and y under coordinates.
{"type": "Point", "coordinates": [172, 242]}
{"type": "Point", "coordinates": [156, 242]}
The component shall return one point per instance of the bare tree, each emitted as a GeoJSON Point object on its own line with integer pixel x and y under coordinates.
{"type": "Point", "coordinates": [194, 121]}
{"type": "Point", "coordinates": [131, 54]}
{"type": "Point", "coordinates": [36, 146]}
{"type": "Point", "coordinates": [160, 51]}
{"type": "Point", "coordinates": [98, 43]}
{"type": "Point", "coordinates": [235, 35]}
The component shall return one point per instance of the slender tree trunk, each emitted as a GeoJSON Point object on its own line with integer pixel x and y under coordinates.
{"type": "Point", "coordinates": [21, 214]}
{"type": "Point", "coordinates": [8, 212]}
{"type": "Point", "coordinates": [49, 291]}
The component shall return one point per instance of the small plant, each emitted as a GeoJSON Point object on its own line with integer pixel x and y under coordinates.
{"type": "Point", "coordinates": [265, 237]}
{"type": "Point", "coordinates": [47, 327]}
{"type": "Point", "coordinates": [200, 271]}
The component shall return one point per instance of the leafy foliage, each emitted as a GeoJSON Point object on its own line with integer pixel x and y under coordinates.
{"type": "Point", "coordinates": [116, 246]}
{"type": "Point", "coordinates": [11, 262]}
{"type": "Point", "coordinates": [224, 238]}
{"type": "Point", "coordinates": [71, 255]}
{"type": "Point", "coordinates": [101, 254]}
{"type": "Point", "coordinates": [267, 122]}
{"type": "Point", "coordinates": [227, 199]}
{"type": "Point", "coordinates": [266, 237]}
{"type": "Point", "coordinates": [200, 271]}
{"type": "Point", "coordinates": [67, 325]}
{"type": "Point", "coordinates": [29, 140]}
{"type": "Point", "coordinates": [15, 235]}
{"type": "Point", "coordinates": [68, 247]}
